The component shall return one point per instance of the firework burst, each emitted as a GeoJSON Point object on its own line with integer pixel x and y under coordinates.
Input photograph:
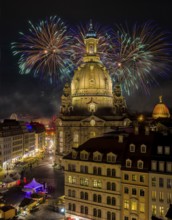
{"type": "Point", "coordinates": [140, 56]}
{"type": "Point", "coordinates": [45, 50]}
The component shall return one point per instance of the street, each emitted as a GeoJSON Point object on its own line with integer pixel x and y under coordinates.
{"type": "Point", "coordinates": [43, 172]}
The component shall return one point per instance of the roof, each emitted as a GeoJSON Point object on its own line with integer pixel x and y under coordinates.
{"type": "Point", "coordinates": [26, 202]}
{"type": "Point", "coordinates": [6, 208]}
{"type": "Point", "coordinates": [169, 212]}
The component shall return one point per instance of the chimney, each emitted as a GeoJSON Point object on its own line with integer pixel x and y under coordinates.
{"type": "Point", "coordinates": [147, 130]}
{"type": "Point", "coordinates": [120, 139]}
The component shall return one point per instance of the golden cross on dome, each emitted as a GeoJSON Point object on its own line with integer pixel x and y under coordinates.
{"type": "Point", "coordinates": [160, 98]}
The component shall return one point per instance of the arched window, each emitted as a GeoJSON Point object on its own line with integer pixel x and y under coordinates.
{"type": "Point", "coordinates": [86, 210]}
{"type": "Point", "coordinates": [108, 172]}
{"type": "Point", "coordinates": [113, 187]}
{"type": "Point", "coordinates": [82, 195]}
{"type": "Point", "coordinates": [113, 172]}
{"type": "Point", "coordinates": [86, 196]}
{"type": "Point", "coordinates": [74, 208]}
{"type": "Point", "coordinates": [95, 212]}
{"type": "Point", "coordinates": [82, 209]}
{"type": "Point", "coordinates": [113, 216]}
{"type": "Point", "coordinates": [128, 163]}
{"type": "Point", "coordinates": [140, 164]}
{"type": "Point", "coordinates": [108, 200]}
{"type": "Point", "coordinates": [143, 148]}
{"type": "Point", "coordinates": [99, 171]}
{"type": "Point", "coordinates": [73, 193]}
{"type": "Point", "coordinates": [95, 170]}
{"type": "Point", "coordinates": [113, 201]}
{"type": "Point", "coordinates": [99, 213]}
{"type": "Point", "coordinates": [69, 193]}
{"type": "Point", "coordinates": [99, 198]}
{"type": "Point", "coordinates": [108, 216]}
{"type": "Point", "coordinates": [94, 197]}
{"type": "Point", "coordinates": [132, 148]}
{"type": "Point", "coordinates": [108, 186]}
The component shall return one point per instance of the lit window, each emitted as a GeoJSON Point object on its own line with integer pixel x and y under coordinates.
{"type": "Point", "coordinates": [167, 150]}
{"type": "Point", "coordinates": [132, 148]}
{"type": "Point", "coordinates": [161, 196]}
{"type": "Point", "coordinates": [161, 166]}
{"type": "Point", "coordinates": [169, 183]}
{"type": "Point", "coordinates": [153, 209]}
{"type": "Point", "coordinates": [169, 166]}
{"type": "Point", "coordinates": [153, 195]}
{"type": "Point", "coordinates": [133, 205]}
{"type": "Point", "coordinates": [153, 181]}
{"type": "Point", "coordinates": [161, 210]}
{"type": "Point", "coordinates": [84, 182]}
{"type": "Point", "coordinates": [153, 165]}
{"type": "Point", "coordinates": [142, 178]}
{"type": "Point", "coordinates": [143, 148]}
{"type": "Point", "coordinates": [142, 207]}
{"type": "Point", "coordinates": [169, 197]}
{"type": "Point", "coordinates": [126, 204]}
{"type": "Point", "coordinates": [134, 177]}
{"type": "Point", "coordinates": [97, 183]}
{"type": "Point", "coordinates": [159, 150]}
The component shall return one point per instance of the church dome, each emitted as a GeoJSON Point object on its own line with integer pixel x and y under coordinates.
{"type": "Point", "coordinates": [91, 78]}
{"type": "Point", "coordinates": [160, 110]}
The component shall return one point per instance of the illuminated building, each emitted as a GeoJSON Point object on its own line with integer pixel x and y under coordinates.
{"type": "Point", "coordinates": [160, 110]}
{"type": "Point", "coordinates": [89, 105]}
{"type": "Point", "coordinates": [123, 175]}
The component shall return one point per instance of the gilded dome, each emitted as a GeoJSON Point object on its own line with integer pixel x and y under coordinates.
{"type": "Point", "coordinates": [160, 110]}
{"type": "Point", "coordinates": [91, 78]}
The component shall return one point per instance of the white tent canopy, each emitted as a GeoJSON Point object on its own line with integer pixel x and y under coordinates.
{"type": "Point", "coordinates": [32, 186]}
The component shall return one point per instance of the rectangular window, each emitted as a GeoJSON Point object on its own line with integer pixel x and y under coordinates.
{"type": "Point", "coordinates": [134, 177]}
{"type": "Point", "coordinates": [161, 196]}
{"type": "Point", "coordinates": [161, 210]}
{"type": "Point", "coordinates": [169, 166]}
{"type": "Point", "coordinates": [142, 207]}
{"type": "Point", "coordinates": [154, 195]}
{"type": "Point", "coordinates": [133, 205]}
{"type": "Point", "coordinates": [126, 218]}
{"type": "Point", "coordinates": [142, 178]}
{"type": "Point", "coordinates": [126, 177]}
{"type": "Point", "coordinates": [169, 197]}
{"type": "Point", "coordinates": [126, 190]}
{"type": "Point", "coordinates": [134, 192]}
{"type": "Point", "coordinates": [153, 165]}
{"type": "Point", "coordinates": [159, 150]}
{"type": "Point", "coordinates": [167, 150]}
{"type": "Point", "coordinates": [153, 209]}
{"type": "Point", "coordinates": [161, 182]}
{"type": "Point", "coordinates": [153, 181]}
{"type": "Point", "coordinates": [169, 183]}
{"type": "Point", "coordinates": [126, 204]}
{"type": "Point", "coordinates": [161, 165]}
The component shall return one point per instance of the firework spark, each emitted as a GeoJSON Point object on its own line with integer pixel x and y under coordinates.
{"type": "Point", "coordinates": [140, 56]}
{"type": "Point", "coordinates": [45, 50]}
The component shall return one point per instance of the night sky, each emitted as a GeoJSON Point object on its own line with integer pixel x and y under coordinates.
{"type": "Point", "coordinates": [24, 94]}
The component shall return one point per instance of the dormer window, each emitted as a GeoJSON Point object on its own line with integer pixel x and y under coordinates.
{"type": "Point", "coordinates": [128, 163]}
{"type": "Point", "coordinates": [143, 148]}
{"type": "Point", "coordinates": [111, 157]}
{"type": "Point", "coordinates": [97, 156]}
{"type": "Point", "coordinates": [74, 154]}
{"type": "Point", "coordinates": [84, 155]}
{"type": "Point", "coordinates": [132, 148]}
{"type": "Point", "coordinates": [140, 164]}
